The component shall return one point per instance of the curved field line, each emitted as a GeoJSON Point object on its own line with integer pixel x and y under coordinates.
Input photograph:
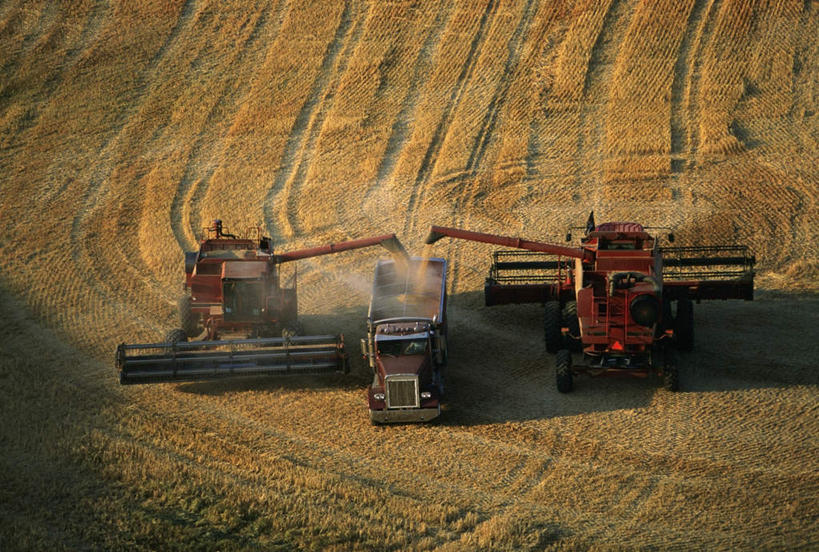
{"type": "Point", "coordinates": [294, 185]}
{"type": "Point", "coordinates": [479, 147]}
{"type": "Point", "coordinates": [182, 21]}
{"type": "Point", "coordinates": [681, 81]}
{"type": "Point", "coordinates": [434, 148]}
{"type": "Point", "coordinates": [691, 102]}
{"type": "Point", "coordinates": [29, 40]}
{"type": "Point", "coordinates": [402, 126]}
{"type": "Point", "coordinates": [590, 150]}
{"type": "Point", "coordinates": [184, 214]}
{"type": "Point", "coordinates": [291, 158]}
{"type": "Point", "coordinates": [325, 456]}
{"type": "Point", "coordinates": [91, 198]}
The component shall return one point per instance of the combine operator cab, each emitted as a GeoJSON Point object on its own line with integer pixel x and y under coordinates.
{"type": "Point", "coordinates": [618, 298]}
{"type": "Point", "coordinates": [234, 287]}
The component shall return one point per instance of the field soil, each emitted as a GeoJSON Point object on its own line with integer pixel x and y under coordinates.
{"type": "Point", "coordinates": [126, 127]}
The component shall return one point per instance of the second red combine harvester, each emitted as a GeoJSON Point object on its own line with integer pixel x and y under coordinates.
{"type": "Point", "coordinates": [247, 321]}
{"type": "Point", "coordinates": [618, 298]}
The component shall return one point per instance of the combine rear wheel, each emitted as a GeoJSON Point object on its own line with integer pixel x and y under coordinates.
{"type": "Point", "coordinates": [563, 371]}
{"type": "Point", "coordinates": [684, 325]}
{"type": "Point", "coordinates": [552, 320]}
{"type": "Point", "coordinates": [176, 336]}
{"type": "Point", "coordinates": [671, 372]}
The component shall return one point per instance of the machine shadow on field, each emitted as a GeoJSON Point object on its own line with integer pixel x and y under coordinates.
{"type": "Point", "coordinates": [499, 370]}
{"type": "Point", "coordinates": [753, 344]}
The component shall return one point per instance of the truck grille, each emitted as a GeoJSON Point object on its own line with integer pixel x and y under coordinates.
{"type": "Point", "coordinates": [402, 392]}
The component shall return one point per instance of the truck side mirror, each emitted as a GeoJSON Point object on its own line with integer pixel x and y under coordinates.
{"type": "Point", "coordinates": [568, 236]}
{"type": "Point", "coordinates": [364, 350]}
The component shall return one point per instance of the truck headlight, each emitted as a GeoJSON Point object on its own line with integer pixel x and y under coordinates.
{"type": "Point", "coordinates": [426, 395]}
{"type": "Point", "coordinates": [378, 396]}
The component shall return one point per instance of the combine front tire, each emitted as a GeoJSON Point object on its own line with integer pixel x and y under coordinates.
{"type": "Point", "coordinates": [552, 320]}
{"type": "Point", "coordinates": [571, 322]}
{"type": "Point", "coordinates": [563, 371]}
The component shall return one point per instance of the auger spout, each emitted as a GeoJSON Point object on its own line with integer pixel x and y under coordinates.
{"type": "Point", "coordinates": [438, 232]}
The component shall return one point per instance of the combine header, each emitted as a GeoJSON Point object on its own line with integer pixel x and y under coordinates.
{"type": "Point", "coordinates": [244, 320]}
{"type": "Point", "coordinates": [618, 298]}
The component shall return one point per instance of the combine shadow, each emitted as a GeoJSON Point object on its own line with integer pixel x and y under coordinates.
{"type": "Point", "coordinates": [500, 372]}
{"type": "Point", "coordinates": [768, 342]}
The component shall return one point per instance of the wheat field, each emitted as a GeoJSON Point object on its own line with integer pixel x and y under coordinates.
{"type": "Point", "coordinates": [125, 127]}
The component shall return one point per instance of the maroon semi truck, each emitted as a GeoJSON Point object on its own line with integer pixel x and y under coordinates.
{"type": "Point", "coordinates": [406, 340]}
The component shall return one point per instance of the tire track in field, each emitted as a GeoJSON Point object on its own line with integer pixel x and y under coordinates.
{"type": "Point", "coordinates": [681, 82]}
{"type": "Point", "coordinates": [92, 198]}
{"type": "Point", "coordinates": [403, 124]}
{"type": "Point", "coordinates": [316, 453]}
{"type": "Point", "coordinates": [430, 156]}
{"type": "Point", "coordinates": [14, 24]}
{"type": "Point", "coordinates": [592, 127]}
{"type": "Point", "coordinates": [184, 216]}
{"type": "Point", "coordinates": [182, 21]}
{"type": "Point", "coordinates": [47, 38]}
{"type": "Point", "coordinates": [691, 107]}
{"type": "Point", "coordinates": [294, 186]}
{"type": "Point", "coordinates": [486, 132]}
{"type": "Point", "coordinates": [307, 126]}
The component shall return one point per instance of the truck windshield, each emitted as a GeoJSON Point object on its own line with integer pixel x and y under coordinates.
{"type": "Point", "coordinates": [402, 347]}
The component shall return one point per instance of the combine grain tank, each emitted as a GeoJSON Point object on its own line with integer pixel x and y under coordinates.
{"type": "Point", "coordinates": [244, 318]}
{"type": "Point", "coordinates": [618, 299]}
{"type": "Point", "coordinates": [406, 340]}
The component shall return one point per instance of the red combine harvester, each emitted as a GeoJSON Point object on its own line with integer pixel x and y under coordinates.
{"type": "Point", "coordinates": [618, 298]}
{"type": "Point", "coordinates": [235, 291]}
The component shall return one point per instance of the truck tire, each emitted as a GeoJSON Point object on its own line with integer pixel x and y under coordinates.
{"type": "Point", "coordinates": [571, 321]}
{"type": "Point", "coordinates": [187, 319]}
{"type": "Point", "coordinates": [175, 336]}
{"type": "Point", "coordinates": [552, 320]}
{"type": "Point", "coordinates": [671, 371]}
{"type": "Point", "coordinates": [684, 325]}
{"type": "Point", "coordinates": [563, 371]}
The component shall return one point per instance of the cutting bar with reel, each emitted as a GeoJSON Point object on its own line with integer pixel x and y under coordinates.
{"type": "Point", "coordinates": [203, 360]}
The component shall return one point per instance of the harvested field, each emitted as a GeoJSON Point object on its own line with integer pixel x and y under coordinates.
{"type": "Point", "coordinates": [126, 127]}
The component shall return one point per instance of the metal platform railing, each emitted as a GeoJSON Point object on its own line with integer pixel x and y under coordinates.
{"type": "Point", "coordinates": [526, 267]}
{"type": "Point", "coordinates": [711, 262]}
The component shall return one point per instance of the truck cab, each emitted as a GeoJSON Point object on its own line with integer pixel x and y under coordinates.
{"type": "Point", "coordinates": [406, 341]}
